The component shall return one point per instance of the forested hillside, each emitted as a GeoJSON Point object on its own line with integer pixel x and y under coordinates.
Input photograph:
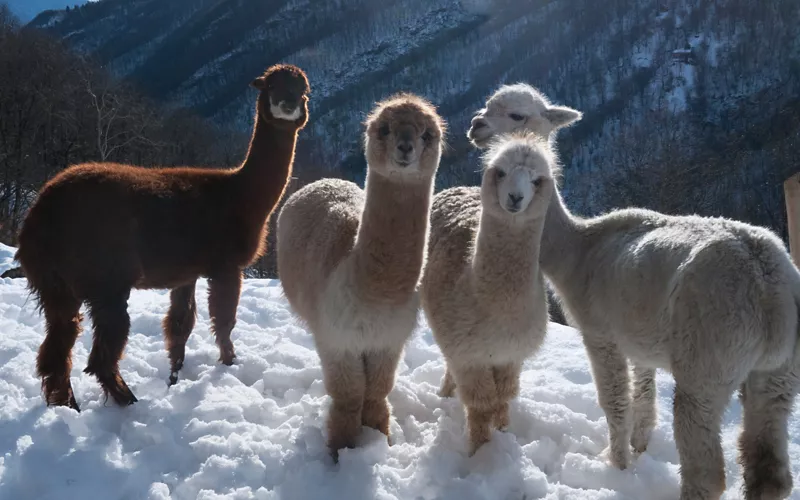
{"type": "Point", "coordinates": [58, 108]}
{"type": "Point", "coordinates": [690, 106]}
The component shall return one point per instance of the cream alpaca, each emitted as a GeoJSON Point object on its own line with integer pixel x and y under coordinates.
{"type": "Point", "coordinates": [713, 301]}
{"type": "Point", "coordinates": [350, 262]}
{"type": "Point", "coordinates": [482, 290]}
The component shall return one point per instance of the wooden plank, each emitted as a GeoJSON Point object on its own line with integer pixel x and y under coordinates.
{"type": "Point", "coordinates": [791, 189]}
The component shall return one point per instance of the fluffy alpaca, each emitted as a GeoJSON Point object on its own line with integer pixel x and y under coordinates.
{"type": "Point", "coordinates": [98, 230]}
{"type": "Point", "coordinates": [713, 301]}
{"type": "Point", "coordinates": [350, 261]}
{"type": "Point", "coordinates": [522, 107]}
{"type": "Point", "coordinates": [518, 107]}
{"type": "Point", "coordinates": [482, 290]}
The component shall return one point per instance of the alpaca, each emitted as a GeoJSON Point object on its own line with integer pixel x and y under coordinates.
{"type": "Point", "coordinates": [522, 107]}
{"type": "Point", "coordinates": [711, 300]}
{"type": "Point", "coordinates": [515, 107]}
{"type": "Point", "coordinates": [482, 290]}
{"type": "Point", "coordinates": [350, 261]}
{"type": "Point", "coordinates": [99, 230]}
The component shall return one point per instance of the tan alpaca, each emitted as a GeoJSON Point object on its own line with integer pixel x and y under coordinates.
{"type": "Point", "coordinates": [350, 262]}
{"type": "Point", "coordinates": [482, 290]}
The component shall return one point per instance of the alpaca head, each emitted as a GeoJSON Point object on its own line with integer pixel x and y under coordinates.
{"type": "Point", "coordinates": [283, 98]}
{"type": "Point", "coordinates": [519, 176]}
{"type": "Point", "coordinates": [404, 138]}
{"type": "Point", "coordinates": [518, 107]}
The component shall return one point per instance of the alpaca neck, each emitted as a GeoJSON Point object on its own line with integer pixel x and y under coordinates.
{"type": "Point", "coordinates": [390, 246]}
{"type": "Point", "coordinates": [506, 261]}
{"type": "Point", "coordinates": [267, 167]}
{"type": "Point", "coordinates": [562, 242]}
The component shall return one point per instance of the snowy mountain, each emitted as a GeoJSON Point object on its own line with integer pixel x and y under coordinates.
{"type": "Point", "coordinates": [691, 106]}
{"type": "Point", "coordinates": [257, 429]}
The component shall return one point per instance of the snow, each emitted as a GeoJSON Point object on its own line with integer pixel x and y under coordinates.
{"type": "Point", "coordinates": [7, 258]}
{"type": "Point", "coordinates": [257, 429]}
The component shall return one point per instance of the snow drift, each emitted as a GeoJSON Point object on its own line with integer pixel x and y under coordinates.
{"type": "Point", "coordinates": [255, 430]}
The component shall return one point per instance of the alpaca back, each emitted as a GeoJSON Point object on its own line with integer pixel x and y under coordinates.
{"type": "Point", "coordinates": [454, 226]}
{"type": "Point", "coordinates": [650, 273]}
{"type": "Point", "coordinates": [160, 227]}
{"type": "Point", "coordinates": [317, 229]}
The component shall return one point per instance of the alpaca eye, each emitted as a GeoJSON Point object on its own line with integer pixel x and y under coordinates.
{"type": "Point", "coordinates": [384, 130]}
{"type": "Point", "coordinates": [427, 136]}
{"type": "Point", "coordinates": [500, 174]}
{"type": "Point", "coordinates": [537, 182]}
{"type": "Point", "coordinates": [516, 117]}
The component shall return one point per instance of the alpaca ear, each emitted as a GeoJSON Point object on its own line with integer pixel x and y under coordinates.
{"type": "Point", "coordinates": [259, 83]}
{"type": "Point", "coordinates": [561, 116]}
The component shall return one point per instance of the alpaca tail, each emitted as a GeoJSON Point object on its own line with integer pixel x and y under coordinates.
{"type": "Point", "coordinates": [34, 254]}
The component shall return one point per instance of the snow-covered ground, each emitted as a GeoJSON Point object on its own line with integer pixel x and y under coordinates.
{"type": "Point", "coordinates": [256, 429]}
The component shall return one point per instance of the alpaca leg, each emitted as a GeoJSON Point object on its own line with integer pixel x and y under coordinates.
{"type": "Point", "coordinates": [54, 360]}
{"type": "Point", "coordinates": [448, 389]}
{"type": "Point", "coordinates": [178, 325]}
{"type": "Point", "coordinates": [477, 391]}
{"type": "Point", "coordinates": [111, 327]}
{"type": "Point", "coordinates": [506, 380]}
{"type": "Point", "coordinates": [223, 298]}
{"type": "Point", "coordinates": [644, 407]}
{"type": "Point", "coordinates": [767, 399]}
{"type": "Point", "coordinates": [610, 369]}
{"type": "Point", "coordinates": [698, 412]}
{"type": "Point", "coordinates": [343, 374]}
{"type": "Point", "coordinates": [379, 372]}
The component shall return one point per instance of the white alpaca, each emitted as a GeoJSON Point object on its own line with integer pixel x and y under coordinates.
{"type": "Point", "coordinates": [482, 291]}
{"type": "Point", "coordinates": [350, 261]}
{"type": "Point", "coordinates": [713, 301]}
{"type": "Point", "coordinates": [522, 107]}
{"type": "Point", "coordinates": [519, 107]}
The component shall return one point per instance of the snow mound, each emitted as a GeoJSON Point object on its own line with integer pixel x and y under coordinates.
{"type": "Point", "coordinates": [7, 258]}
{"type": "Point", "coordinates": [256, 429]}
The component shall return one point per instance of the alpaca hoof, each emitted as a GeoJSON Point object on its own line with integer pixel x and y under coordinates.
{"type": "Point", "coordinates": [333, 450]}
{"type": "Point", "coordinates": [639, 440]}
{"type": "Point", "coordinates": [125, 400]}
{"type": "Point", "coordinates": [121, 394]}
{"type": "Point", "coordinates": [772, 483]}
{"type": "Point", "coordinates": [69, 402]}
{"type": "Point", "coordinates": [447, 392]}
{"type": "Point", "coordinates": [61, 398]}
{"type": "Point", "coordinates": [227, 355]}
{"type": "Point", "coordinates": [173, 379]}
{"type": "Point", "coordinates": [73, 403]}
{"type": "Point", "coordinates": [475, 446]}
{"type": "Point", "coordinates": [473, 449]}
{"type": "Point", "coordinates": [619, 459]}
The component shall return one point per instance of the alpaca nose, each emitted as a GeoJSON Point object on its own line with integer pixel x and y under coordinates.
{"type": "Point", "coordinates": [405, 147]}
{"type": "Point", "coordinates": [478, 122]}
{"type": "Point", "coordinates": [513, 200]}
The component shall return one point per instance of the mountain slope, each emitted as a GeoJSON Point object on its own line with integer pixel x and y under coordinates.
{"type": "Point", "coordinates": [691, 87]}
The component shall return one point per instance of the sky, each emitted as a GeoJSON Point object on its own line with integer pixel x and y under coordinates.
{"type": "Point", "coordinates": [27, 9]}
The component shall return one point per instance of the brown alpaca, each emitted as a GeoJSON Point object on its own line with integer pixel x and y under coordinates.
{"type": "Point", "coordinates": [99, 230]}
